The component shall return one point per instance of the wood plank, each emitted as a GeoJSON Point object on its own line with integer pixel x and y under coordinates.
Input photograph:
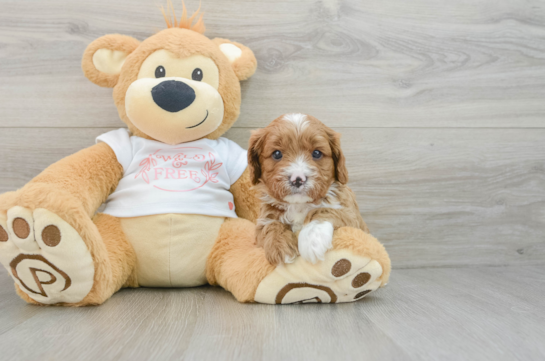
{"type": "Point", "coordinates": [465, 313]}
{"type": "Point", "coordinates": [139, 324]}
{"type": "Point", "coordinates": [264, 332]}
{"type": "Point", "coordinates": [14, 311]}
{"type": "Point", "coordinates": [356, 63]}
{"type": "Point", "coordinates": [490, 313]}
{"type": "Point", "coordinates": [25, 152]}
{"type": "Point", "coordinates": [435, 197]}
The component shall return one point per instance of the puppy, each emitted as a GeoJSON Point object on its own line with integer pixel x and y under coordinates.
{"type": "Point", "coordinates": [297, 164]}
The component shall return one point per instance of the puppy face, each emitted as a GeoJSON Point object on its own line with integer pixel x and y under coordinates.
{"type": "Point", "coordinates": [297, 158]}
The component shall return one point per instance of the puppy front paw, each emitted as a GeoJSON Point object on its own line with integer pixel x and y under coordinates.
{"type": "Point", "coordinates": [290, 258]}
{"type": "Point", "coordinates": [279, 252]}
{"type": "Point", "coordinates": [315, 239]}
{"type": "Point", "coordinates": [280, 244]}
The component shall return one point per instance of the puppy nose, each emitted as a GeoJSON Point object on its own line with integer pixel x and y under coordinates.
{"type": "Point", "coordinates": [173, 95]}
{"type": "Point", "coordinates": [298, 182]}
{"type": "Point", "coordinates": [298, 179]}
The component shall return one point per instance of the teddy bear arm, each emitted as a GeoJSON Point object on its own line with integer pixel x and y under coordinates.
{"type": "Point", "coordinates": [89, 175]}
{"type": "Point", "coordinates": [247, 202]}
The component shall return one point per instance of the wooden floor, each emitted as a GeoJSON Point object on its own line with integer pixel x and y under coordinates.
{"type": "Point", "coordinates": [442, 109]}
{"type": "Point", "coordinates": [487, 313]}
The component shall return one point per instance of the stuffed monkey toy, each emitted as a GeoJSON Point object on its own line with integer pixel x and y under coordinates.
{"type": "Point", "coordinates": [180, 210]}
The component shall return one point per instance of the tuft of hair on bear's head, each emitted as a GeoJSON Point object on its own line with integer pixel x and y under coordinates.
{"type": "Point", "coordinates": [185, 22]}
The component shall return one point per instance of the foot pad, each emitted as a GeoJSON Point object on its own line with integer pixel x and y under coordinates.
{"type": "Point", "coordinates": [341, 277]}
{"type": "Point", "coordinates": [46, 257]}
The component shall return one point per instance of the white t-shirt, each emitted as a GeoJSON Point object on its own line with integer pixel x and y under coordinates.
{"type": "Point", "coordinates": [188, 178]}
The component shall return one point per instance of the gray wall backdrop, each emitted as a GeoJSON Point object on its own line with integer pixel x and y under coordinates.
{"type": "Point", "coordinates": [441, 105]}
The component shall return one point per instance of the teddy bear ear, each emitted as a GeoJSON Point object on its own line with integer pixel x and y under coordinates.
{"type": "Point", "coordinates": [242, 59]}
{"type": "Point", "coordinates": [104, 57]}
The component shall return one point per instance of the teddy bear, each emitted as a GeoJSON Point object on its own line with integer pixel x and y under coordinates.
{"type": "Point", "coordinates": [180, 208]}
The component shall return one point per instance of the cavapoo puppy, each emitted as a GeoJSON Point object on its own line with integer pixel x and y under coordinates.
{"type": "Point", "coordinates": [298, 166]}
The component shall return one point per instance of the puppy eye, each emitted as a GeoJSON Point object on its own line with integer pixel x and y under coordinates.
{"type": "Point", "coordinates": [160, 72]}
{"type": "Point", "coordinates": [197, 75]}
{"type": "Point", "coordinates": [277, 155]}
{"type": "Point", "coordinates": [317, 154]}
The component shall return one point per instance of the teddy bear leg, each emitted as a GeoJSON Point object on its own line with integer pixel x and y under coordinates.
{"type": "Point", "coordinates": [119, 270]}
{"type": "Point", "coordinates": [357, 265]}
{"type": "Point", "coordinates": [235, 262]}
{"type": "Point", "coordinates": [72, 262]}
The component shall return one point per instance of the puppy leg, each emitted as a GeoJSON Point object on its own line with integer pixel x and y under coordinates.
{"type": "Point", "coordinates": [279, 242]}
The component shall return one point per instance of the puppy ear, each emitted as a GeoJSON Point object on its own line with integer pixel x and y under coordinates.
{"type": "Point", "coordinates": [341, 173]}
{"type": "Point", "coordinates": [104, 57]}
{"type": "Point", "coordinates": [254, 151]}
{"type": "Point", "coordinates": [242, 59]}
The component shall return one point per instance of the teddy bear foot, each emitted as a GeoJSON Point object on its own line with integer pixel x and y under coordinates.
{"type": "Point", "coordinates": [341, 277]}
{"type": "Point", "coordinates": [46, 257]}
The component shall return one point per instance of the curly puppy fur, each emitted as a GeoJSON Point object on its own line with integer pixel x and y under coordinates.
{"type": "Point", "coordinates": [306, 183]}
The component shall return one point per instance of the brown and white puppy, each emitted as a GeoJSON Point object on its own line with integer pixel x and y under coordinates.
{"type": "Point", "coordinates": [298, 165]}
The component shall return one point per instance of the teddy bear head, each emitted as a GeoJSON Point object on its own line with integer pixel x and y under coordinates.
{"type": "Point", "coordinates": [177, 85]}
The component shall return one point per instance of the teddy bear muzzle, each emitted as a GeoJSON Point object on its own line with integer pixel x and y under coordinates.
{"type": "Point", "coordinates": [174, 110]}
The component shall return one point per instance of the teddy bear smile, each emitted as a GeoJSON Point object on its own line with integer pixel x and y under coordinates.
{"type": "Point", "coordinates": [196, 125]}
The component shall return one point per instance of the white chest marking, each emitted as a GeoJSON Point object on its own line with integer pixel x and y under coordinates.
{"type": "Point", "coordinates": [295, 215]}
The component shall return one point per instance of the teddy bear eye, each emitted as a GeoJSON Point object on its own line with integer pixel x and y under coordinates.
{"type": "Point", "coordinates": [197, 74]}
{"type": "Point", "coordinates": [277, 155]}
{"type": "Point", "coordinates": [160, 72]}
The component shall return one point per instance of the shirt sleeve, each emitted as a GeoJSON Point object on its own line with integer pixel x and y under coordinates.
{"type": "Point", "coordinates": [236, 159]}
{"type": "Point", "coordinates": [120, 142]}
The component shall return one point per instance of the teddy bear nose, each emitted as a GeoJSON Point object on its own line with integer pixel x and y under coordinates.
{"type": "Point", "coordinates": [173, 95]}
